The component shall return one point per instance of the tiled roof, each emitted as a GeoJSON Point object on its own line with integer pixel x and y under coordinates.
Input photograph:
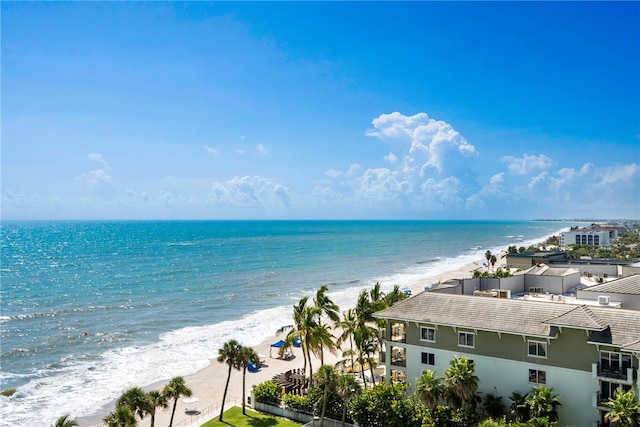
{"type": "Point", "coordinates": [516, 316]}
{"type": "Point", "coordinates": [628, 285]}
{"type": "Point", "coordinates": [581, 317]}
{"type": "Point", "coordinates": [624, 324]}
{"type": "Point", "coordinates": [493, 314]}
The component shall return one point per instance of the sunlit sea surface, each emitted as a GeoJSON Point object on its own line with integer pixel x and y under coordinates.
{"type": "Point", "coordinates": [89, 309]}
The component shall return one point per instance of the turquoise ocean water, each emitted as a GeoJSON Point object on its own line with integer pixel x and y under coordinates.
{"type": "Point", "coordinates": [158, 298]}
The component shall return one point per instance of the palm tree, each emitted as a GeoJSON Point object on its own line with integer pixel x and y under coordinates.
{"type": "Point", "coordinates": [65, 421]}
{"type": "Point", "coordinates": [135, 399]}
{"type": "Point", "coordinates": [156, 399]}
{"type": "Point", "coordinates": [487, 255]}
{"type": "Point", "coordinates": [319, 338]}
{"type": "Point", "coordinates": [429, 389]}
{"type": "Point", "coordinates": [624, 409]}
{"type": "Point", "coordinates": [325, 306]}
{"type": "Point", "coordinates": [462, 383]}
{"type": "Point", "coordinates": [326, 378]}
{"type": "Point", "coordinates": [394, 296]}
{"type": "Point", "coordinates": [246, 355]}
{"type": "Point", "coordinates": [364, 308]}
{"type": "Point", "coordinates": [304, 319]}
{"type": "Point", "coordinates": [493, 261]}
{"type": "Point", "coordinates": [346, 388]}
{"type": "Point", "coordinates": [493, 405]}
{"type": "Point", "coordinates": [173, 390]}
{"type": "Point", "coordinates": [366, 345]}
{"type": "Point", "coordinates": [313, 335]}
{"type": "Point", "coordinates": [348, 325]}
{"type": "Point", "coordinates": [519, 410]}
{"type": "Point", "coordinates": [121, 417]}
{"type": "Point", "coordinates": [543, 403]}
{"type": "Point", "coordinates": [229, 354]}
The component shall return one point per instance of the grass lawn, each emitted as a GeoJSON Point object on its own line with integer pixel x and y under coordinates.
{"type": "Point", "coordinates": [233, 417]}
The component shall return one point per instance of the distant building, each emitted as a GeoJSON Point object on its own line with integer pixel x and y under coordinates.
{"type": "Point", "coordinates": [539, 279]}
{"type": "Point", "coordinates": [601, 267]}
{"type": "Point", "coordinates": [587, 237]}
{"type": "Point", "coordinates": [530, 258]}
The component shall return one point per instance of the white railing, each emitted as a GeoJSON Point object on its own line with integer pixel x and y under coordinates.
{"type": "Point", "coordinates": [207, 414]}
{"type": "Point", "coordinates": [328, 422]}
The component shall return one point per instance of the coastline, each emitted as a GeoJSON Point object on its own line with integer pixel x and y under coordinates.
{"type": "Point", "coordinates": [191, 351]}
{"type": "Point", "coordinates": [208, 383]}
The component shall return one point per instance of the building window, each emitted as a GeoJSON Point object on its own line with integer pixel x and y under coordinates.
{"type": "Point", "coordinates": [398, 356]}
{"type": "Point", "coordinates": [537, 349]}
{"type": "Point", "coordinates": [614, 363]}
{"type": "Point", "coordinates": [466, 339]}
{"type": "Point", "coordinates": [428, 358]}
{"type": "Point", "coordinates": [398, 332]}
{"type": "Point", "coordinates": [428, 334]}
{"type": "Point", "coordinates": [538, 377]}
{"type": "Point", "coordinates": [608, 390]}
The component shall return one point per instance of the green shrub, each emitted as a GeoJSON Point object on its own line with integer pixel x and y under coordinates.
{"type": "Point", "coordinates": [298, 403]}
{"type": "Point", "coordinates": [268, 392]}
{"type": "Point", "coordinates": [444, 416]}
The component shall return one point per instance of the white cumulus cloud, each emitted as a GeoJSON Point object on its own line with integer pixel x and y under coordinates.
{"type": "Point", "coordinates": [527, 164]}
{"type": "Point", "coordinates": [429, 143]}
{"type": "Point", "coordinates": [428, 169]}
{"type": "Point", "coordinates": [251, 192]}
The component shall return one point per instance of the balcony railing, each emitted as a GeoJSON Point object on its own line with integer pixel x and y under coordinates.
{"type": "Point", "coordinates": [399, 361]}
{"type": "Point", "coordinates": [399, 337]}
{"type": "Point", "coordinates": [622, 375]}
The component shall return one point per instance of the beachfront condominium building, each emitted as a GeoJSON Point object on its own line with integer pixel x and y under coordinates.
{"type": "Point", "coordinates": [583, 352]}
{"type": "Point", "coordinates": [586, 237]}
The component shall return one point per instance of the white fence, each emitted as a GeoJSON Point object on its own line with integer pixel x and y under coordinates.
{"type": "Point", "coordinates": [207, 414]}
{"type": "Point", "coordinates": [301, 417]}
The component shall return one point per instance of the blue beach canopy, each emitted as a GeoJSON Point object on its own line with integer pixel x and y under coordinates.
{"type": "Point", "coordinates": [277, 345]}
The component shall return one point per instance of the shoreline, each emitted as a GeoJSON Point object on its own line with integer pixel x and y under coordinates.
{"type": "Point", "coordinates": [207, 384]}
{"type": "Point", "coordinates": [89, 389]}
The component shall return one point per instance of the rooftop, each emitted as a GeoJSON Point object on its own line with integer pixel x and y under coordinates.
{"type": "Point", "coordinates": [545, 270]}
{"type": "Point", "coordinates": [627, 285]}
{"type": "Point", "coordinates": [517, 316]}
{"type": "Point", "coordinates": [538, 254]}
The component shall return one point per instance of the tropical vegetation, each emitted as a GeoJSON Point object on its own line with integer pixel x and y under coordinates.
{"type": "Point", "coordinates": [231, 354]}
{"type": "Point", "coordinates": [65, 421]}
{"type": "Point", "coordinates": [174, 390]}
{"type": "Point", "coordinates": [136, 402]}
{"type": "Point", "coordinates": [624, 409]}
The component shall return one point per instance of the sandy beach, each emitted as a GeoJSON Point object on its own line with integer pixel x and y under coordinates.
{"type": "Point", "coordinates": [208, 384]}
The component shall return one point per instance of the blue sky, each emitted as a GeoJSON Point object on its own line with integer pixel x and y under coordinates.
{"type": "Point", "coordinates": [427, 110]}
